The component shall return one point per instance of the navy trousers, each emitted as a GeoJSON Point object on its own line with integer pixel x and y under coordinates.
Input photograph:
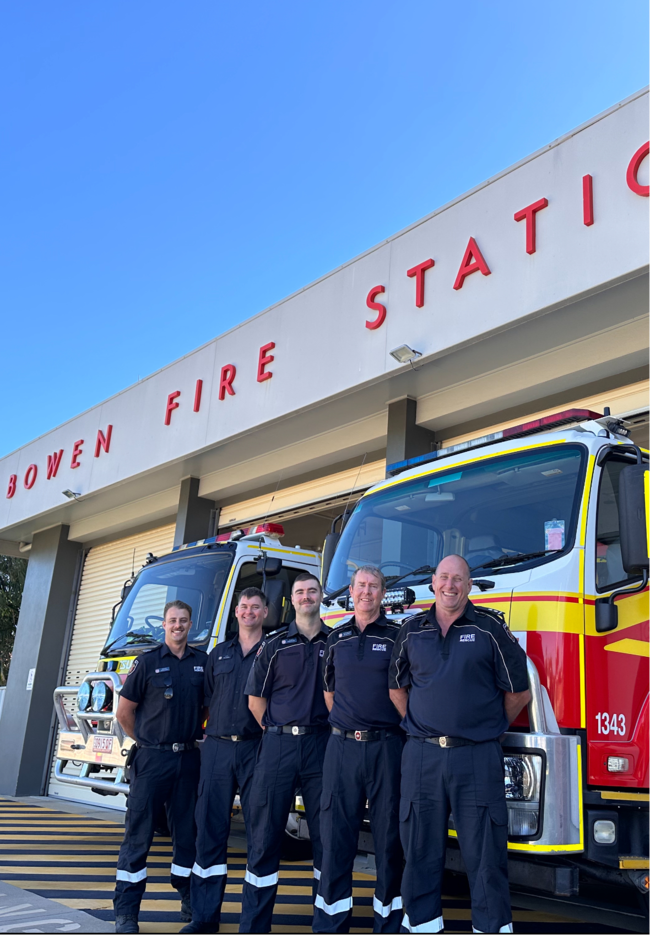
{"type": "Point", "coordinates": [226, 766]}
{"type": "Point", "coordinates": [355, 772]}
{"type": "Point", "coordinates": [468, 782]}
{"type": "Point", "coordinates": [285, 763]}
{"type": "Point", "coordinates": [158, 778]}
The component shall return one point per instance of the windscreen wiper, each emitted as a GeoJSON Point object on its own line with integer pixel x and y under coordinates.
{"type": "Point", "coordinates": [390, 582]}
{"type": "Point", "coordinates": [132, 638]}
{"type": "Point", "coordinates": [513, 559]}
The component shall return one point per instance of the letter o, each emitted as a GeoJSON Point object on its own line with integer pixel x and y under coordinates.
{"type": "Point", "coordinates": [633, 170]}
{"type": "Point", "coordinates": [30, 476]}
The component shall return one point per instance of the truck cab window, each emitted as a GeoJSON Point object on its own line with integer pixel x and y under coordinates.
{"type": "Point", "coordinates": [609, 565]}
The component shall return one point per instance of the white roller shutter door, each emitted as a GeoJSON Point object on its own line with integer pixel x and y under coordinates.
{"type": "Point", "coordinates": [105, 570]}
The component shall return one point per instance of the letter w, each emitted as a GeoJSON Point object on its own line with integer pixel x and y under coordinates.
{"type": "Point", "coordinates": [53, 462]}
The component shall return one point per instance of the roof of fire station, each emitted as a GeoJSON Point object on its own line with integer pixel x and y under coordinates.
{"type": "Point", "coordinates": [525, 292]}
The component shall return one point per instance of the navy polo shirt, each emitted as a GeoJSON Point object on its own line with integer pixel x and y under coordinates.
{"type": "Point", "coordinates": [226, 674]}
{"type": "Point", "coordinates": [356, 670]}
{"type": "Point", "coordinates": [176, 719]}
{"type": "Point", "coordinates": [456, 683]}
{"type": "Point", "coordinates": [287, 672]}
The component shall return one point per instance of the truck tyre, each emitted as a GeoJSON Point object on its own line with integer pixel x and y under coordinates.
{"type": "Point", "coordinates": [295, 848]}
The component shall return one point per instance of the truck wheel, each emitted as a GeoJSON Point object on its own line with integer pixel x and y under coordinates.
{"type": "Point", "coordinates": [294, 848]}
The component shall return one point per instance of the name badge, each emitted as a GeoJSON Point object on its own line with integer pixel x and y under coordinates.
{"type": "Point", "coordinates": [165, 669]}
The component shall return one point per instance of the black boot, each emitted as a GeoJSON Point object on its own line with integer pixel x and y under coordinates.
{"type": "Point", "coordinates": [196, 927]}
{"type": "Point", "coordinates": [186, 909]}
{"type": "Point", "coordinates": [126, 925]}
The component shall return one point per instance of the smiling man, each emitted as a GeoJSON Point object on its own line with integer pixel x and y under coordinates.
{"type": "Point", "coordinates": [362, 762]}
{"type": "Point", "coordinates": [227, 758]}
{"type": "Point", "coordinates": [285, 693]}
{"type": "Point", "coordinates": [160, 708]}
{"type": "Point", "coordinates": [458, 678]}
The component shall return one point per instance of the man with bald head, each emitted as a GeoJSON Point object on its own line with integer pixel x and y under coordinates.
{"type": "Point", "coordinates": [458, 678]}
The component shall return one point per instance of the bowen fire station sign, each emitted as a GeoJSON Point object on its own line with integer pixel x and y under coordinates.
{"type": "Point", "coordinates": [557, 226]}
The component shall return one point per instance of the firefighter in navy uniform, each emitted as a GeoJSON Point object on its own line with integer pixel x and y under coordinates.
{"type": "Point", "coordinates": [160, 707]}
{"type": "Point", "coordinates": [458, 677]}
{"type": "Point", "coordinates": [227, 758]}
{"type": "Point", "coordinates": [362, 761]}
{"type": "Point", "coordinates": [285, 690]}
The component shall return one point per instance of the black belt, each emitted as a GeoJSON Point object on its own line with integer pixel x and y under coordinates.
{"type": "Point", "coordinates": [450, 741]}
{"type": "Point", "coordinates": [170, 747]}
{"type": "Point", "coordinates": [237, 737]}
{"type": "Point", "coordinates": [366, 735]}
{"type": "Point", "coordinates": [295, 730]}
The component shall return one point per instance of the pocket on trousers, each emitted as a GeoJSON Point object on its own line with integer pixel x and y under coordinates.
{"type": "Point", "coordinates": [405, 807]}
{"type": "Point", "coordinates": [325, 801]}
{"type": "Point", "coordinates": [498, 812]}
{"type": "Point", "coordinates": [259, 796]}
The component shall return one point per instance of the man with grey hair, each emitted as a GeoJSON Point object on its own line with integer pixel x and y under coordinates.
{"type": "Point", "coordinates": [458, 677]}
{"type": "Point", "coordinates": [362, 761]}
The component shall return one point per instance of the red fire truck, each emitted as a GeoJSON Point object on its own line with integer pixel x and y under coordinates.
{"type": "Point", "coordinates": [551, 517]}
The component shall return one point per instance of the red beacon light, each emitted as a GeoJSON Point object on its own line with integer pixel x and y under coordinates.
{"type": "Point", "coordinates": [271, 530]}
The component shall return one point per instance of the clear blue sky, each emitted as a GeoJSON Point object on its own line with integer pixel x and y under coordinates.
{"type": "Point", "coordinates": [169, 169]}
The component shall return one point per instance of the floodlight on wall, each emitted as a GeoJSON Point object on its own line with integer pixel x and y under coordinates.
{"type": "Point", "coordinates": [404, 354]}
{"type": "Point", "coordinates": [70, 494]}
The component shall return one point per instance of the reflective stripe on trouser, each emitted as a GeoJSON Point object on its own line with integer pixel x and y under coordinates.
{"type": "Point", "coordinates": [161, 781]}
{"type": "Point", "coordinates": [468, 782]}
{"type": "Point", "coordinates": [284, 764]}
{"type": "Point", "coordinates": [225, 766]}
{"type": "Point", "coordinates": [353, 772]}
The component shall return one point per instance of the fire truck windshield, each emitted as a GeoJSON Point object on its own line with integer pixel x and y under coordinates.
{"type": "Point", "coordinates": [493, 508]}
{"type": "Point", "coordinates": [198, 580]}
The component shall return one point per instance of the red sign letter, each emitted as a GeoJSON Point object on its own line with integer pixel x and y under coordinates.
{"type": "Point", "coordinates": [76, 451]}
{"type": "Point", "coordinates": [472, 261]}
{"type": "Point", "coordinates": [11, 489]}
{"type": "Point", "coordinates": [30, 476]}
{"type": "Point", "coordinates": [228, 374]}
{"type": "Point", "coordinates": [171, 405]}
{"type": "Point", "coordinates": [419, 271]}
{"type": "Point", "coordinates": [587, 200]}
{"type": "Point", "coordinates": [633, 171]}
{"type": "Point", "coordinates": [197, 395]}
{"type": "Point", "coordinates": [531, 228]}
{"type": "Point", "coordinates": [103, 441]}
{"type": "Point", "coordinates": [264, 360]}
{"type": "Point", "coordinates": [53, 462]}
{"type": "Point", "coordinates": [376, 307]}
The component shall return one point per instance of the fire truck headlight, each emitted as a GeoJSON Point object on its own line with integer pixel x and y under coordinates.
{"type": "Point", "coordinates": [83, 696]}
{"type": "Point", "coordinates": [523, 777]}
{"type": "Point", "coordinates": [101, 697]}
{"type": "Point", "coordinates": [604, 832]}
{"type": "Point", "coordinates": [523, 782]}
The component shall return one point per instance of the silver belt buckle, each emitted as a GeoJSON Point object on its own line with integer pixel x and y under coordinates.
{"type": "Point", "coordinates": [234, 737]}
{"type": "Point", "coordinates": [177, 747]}
{"type": "Point", "coordinates": [443, 741]}
{"type": "Point", "coordinates": [357, 735]}
{"type": "Point", "coordinates": [295, 730]}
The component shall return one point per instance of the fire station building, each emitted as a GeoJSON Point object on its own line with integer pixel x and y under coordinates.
{"type": "Point", "coordinates": [525, 296]}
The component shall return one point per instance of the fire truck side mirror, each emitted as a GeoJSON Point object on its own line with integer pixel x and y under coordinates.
{"type": "Point", "coordinates": [269, 567]}
{"type": "Point", "coordinates": [606, 615]}
{"type": "Point", "coordinates": [633, 519]}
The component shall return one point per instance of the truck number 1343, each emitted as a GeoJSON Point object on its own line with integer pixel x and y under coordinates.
{"type": "Point", "coordinates": [611, 723]}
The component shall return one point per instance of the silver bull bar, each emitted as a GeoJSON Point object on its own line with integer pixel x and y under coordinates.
{"type": "Point", "coordinates": [560, 799]}
{"type": "Point", "coordinates": [82, 724]}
